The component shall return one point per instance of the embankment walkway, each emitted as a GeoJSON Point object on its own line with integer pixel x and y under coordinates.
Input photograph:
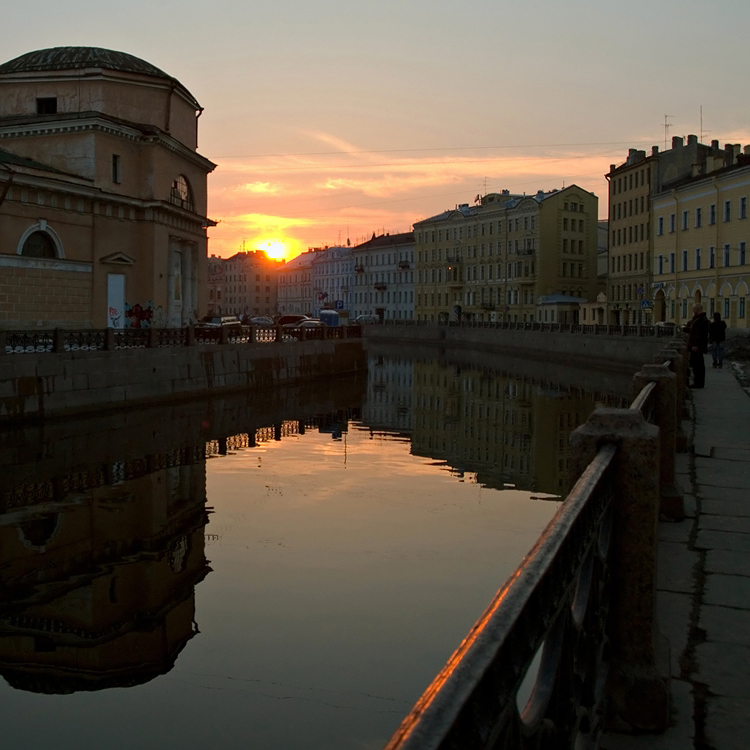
{"type": "Point", "coordinates": [704, 580]}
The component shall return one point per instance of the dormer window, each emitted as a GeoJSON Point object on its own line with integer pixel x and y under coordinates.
{"type": "Point", "coordinates": [46, 105]}
{"type": "Point", "coordinates": [181, 195]}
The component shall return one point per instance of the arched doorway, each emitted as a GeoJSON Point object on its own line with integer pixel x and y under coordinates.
{"type": "Point", "coordinates": [660, 307]}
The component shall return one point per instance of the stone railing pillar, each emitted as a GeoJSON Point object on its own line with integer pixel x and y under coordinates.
{"type": "Point", "coordinates": [251, 334]}
{"type": "Point", "coordinates": [279, 333]}
{"type": "Point", "coordinates": [109, 339]}
{"type": "Point", "coordinates": [58, 340]}
{"type": "Point", "coordinates": [638, 681]}
{"type": "Point", "coordinates": [224, 335]}
{"type": "Point", "coordinates": [3, 341]}
{"type": "Point", "coordinates": [153, 338]}
{"type": "Point", "coordinates": [191, 336]}
{"type": "Point", "coordinates": [665, 415]}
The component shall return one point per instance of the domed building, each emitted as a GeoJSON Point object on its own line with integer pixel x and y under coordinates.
{"type": "Point", "coordinates": [103, 194]}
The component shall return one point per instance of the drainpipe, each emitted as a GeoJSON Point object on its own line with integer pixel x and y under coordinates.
{"type": "Point", "coordinates": [198, 113]}
{"type": "Point", "coordinates": [169, 107]}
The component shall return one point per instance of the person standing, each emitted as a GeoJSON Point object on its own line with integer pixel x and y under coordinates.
{"type": "Point", "coordinates": [697, 345]}
{"type": "Point", "coordinates": [717, 333]}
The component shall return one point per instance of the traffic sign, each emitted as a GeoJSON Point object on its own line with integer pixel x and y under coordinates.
{"type": "Point", "coordinates": [645, 303]}
{"type": "Point", "coordinates": [338, 304]}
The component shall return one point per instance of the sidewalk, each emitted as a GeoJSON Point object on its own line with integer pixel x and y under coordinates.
{"type": "Point", "coordinates": [704, 580]}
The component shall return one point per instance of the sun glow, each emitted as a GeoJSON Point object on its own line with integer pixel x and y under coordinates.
{"type": "Point", "coordinates": [275, 248]}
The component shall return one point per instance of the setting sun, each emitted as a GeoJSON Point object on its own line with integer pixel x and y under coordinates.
{"type": "Point", "coordinates": [276, 249]}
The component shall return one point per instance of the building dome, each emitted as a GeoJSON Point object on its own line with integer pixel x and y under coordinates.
{"type": "Point", "coordinates": [76, 58]}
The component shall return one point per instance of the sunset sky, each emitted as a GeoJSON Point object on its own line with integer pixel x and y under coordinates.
{"type": "Point", "coordinates": [335, 119]}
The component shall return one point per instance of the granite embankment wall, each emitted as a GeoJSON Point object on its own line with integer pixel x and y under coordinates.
{"type": "Point", "coordinates": [600, 351]}
{"type": "Point", "coordinates": [65, 383]}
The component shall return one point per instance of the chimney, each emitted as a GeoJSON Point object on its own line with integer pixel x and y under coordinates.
{"type": "Point", "coordinates": [654, 151]}
{"type": "Point", "coordinates": [612, 167]}
{"type": "Point", "coordinates": [692, 140]}
{"type": "Point", "coordinates": [746, 150]}
{"type": "Point", "coordinates": [715, 148]}
{"type": "Point", "coordinates": [677, 141]}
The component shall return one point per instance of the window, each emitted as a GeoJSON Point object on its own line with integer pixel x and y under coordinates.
{"type": "Point", "coordinates": [660, 226]}
{"type": "Point", "coordinates": [741, 310]}
{"type": "Point", "coordinates": [684, 260]}
{"type": "Point", "coordinates": [46, 105]}
{"type": "Point", "coordinates": [698, 218]}
{"type": "Point", "coordinates": [697, 259]}
{"type": "Point", "coordinates": [726, 256]}
{"type": "Point", "coordinates": [712, 257]}
{"type": "Point", "coordinates": [726, 308]}
{"type": "Point", "coordinates": [39, 245]}
{"type": "Point", "coordinates": [116, 169]}
{"type": "Point", "coordinates": [684, 220]}
{"type": "Point", "coordinates": [661, 264]}
{"type": "Point", "coordinates": [742, 259]}
{"type": "Point", "coordinates": [712, 214]}
{"type": "Point", "coordinates": [727, 210]}
{"type": "Point", "coordinates": [743, 208]}
{"type": "Point", "coordinates": [181, 195]}
{"type": "Point", "coordinates": [672, 223]}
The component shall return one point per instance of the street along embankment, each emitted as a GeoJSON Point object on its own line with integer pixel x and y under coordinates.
{"type": "Point", "coordinates": [52, 384]}
{"type": "Point", "coordinates": [602, 351]}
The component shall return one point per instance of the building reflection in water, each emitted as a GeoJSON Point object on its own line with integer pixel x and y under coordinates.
{"type": "Point", "coordinates": [98, 573]}
{"type": "Point", "coordinates": [98, 566]}
{"type": "Point", "coordinates": [496, 428]}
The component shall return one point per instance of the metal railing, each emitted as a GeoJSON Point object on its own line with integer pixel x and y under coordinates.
{"type": "Point", "coordinates": [60, 340]}
{"type": "Point", "coordinates": [574, 624]}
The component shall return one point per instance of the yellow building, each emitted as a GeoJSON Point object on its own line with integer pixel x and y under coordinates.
{"type": "Point", "coordinates": [701, 234]}
{"type": "Point", "coordinates": [102, 193]}
{"type": "Point", "coordinates": [493, 261]}
{"type": "Point", "coordinates": [632, 186]}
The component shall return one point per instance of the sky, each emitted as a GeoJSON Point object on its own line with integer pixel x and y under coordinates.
{"type": "Point", "coordinates": [333, 119]}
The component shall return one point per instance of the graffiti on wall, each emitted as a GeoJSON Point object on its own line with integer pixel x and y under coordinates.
{"type": "Point", "coordinates": [143, 316]}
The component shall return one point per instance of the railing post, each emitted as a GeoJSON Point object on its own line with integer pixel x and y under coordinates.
{"type": "Point", "coordinates": [224, 335]}
{"type": "Point", "coordinates": [638, 681]}
{"type": "Point", "coordinates": [279, 333]}
{"type": "Point", "coordinates": [58, 341]}
{"type": "Point", "coordinates": [251, 334]}
{"type": "Point", "coordinates": [665, 416]}
{"type": "Point", "coordinates": [109, 339]}
{"type": "Point", "coordinates": [191, 336]}
{"type": "Point", "coordinates": [3, 341]}
{"type": "Point", "coordinates": [153, 338]}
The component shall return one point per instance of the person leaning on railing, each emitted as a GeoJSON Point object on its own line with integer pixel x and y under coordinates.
{"type": "Point", "coordinates": [697, 345]}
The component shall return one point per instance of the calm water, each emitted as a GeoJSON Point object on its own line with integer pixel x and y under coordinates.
{"type": "Point", "coordinates": [296, 585]}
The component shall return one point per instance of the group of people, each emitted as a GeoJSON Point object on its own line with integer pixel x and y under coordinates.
{"type": "Point", "coordinates": [701, 335]}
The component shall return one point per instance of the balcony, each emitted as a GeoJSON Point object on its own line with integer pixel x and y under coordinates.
{"type": "Point", "coordinates": [404, 265]}
{"type": "Point", "coordinates": [359, 269]}
{"type": "Point", "coordinates": [380, 286]}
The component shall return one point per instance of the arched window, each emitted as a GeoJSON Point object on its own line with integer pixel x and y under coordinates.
{"type": "Point", "coordinates": [181, 195]}
{"type": "Point", "coordinates": [39, 245]}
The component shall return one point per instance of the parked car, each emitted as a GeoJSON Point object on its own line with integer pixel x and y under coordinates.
{"type": "Point", "coordinates": [286, 319]}
{"type": "Point", "coordinates": [366, 319]}
{"type": "Point", "coordinates": [665, 324]}
{"type": "Point", "coordinates": [306, 323]}
{"type": "Point", "coordinates": [261, 320]}
{"type": "Point", "coordinates": [213, 321]}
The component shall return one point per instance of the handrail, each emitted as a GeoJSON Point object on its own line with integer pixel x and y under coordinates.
{"type": "Point", "coordinates": [642, 400]}
{"type": "Point", "coordinates": [482, 678]}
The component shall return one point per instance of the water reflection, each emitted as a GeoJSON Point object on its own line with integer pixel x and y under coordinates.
{"type": "Point", "coordinates": [491, 426]}
{"type": "Point", "coordinates": [98, 585]}
{"type": "Point", "coordinates": [301, 587]}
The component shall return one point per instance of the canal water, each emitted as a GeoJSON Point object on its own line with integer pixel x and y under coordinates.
{"type": "Point", "coordinates": [288, 570]}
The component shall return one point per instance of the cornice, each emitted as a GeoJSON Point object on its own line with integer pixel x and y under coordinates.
{"type": "Point", "coordinates": [104, 125]}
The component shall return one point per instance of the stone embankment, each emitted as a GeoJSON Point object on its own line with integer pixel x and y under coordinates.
{"type": "Point", "coordinates": [624, 349]}
{"type": "Point", "coordinates": [52, 384]}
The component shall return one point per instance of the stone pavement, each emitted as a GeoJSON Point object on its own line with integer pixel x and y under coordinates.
{"type": "Point", "coordinates": [704, 579]}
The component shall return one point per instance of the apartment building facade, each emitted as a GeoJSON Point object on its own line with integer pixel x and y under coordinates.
{"type": "Point", "coordinates": [384, 277]}
{"type": "Point", "coordinates": [332, 279]}
{"type": "Point", "coordinates": [244, 285]}
{"type": "Point", "coordinates": [632, 186]}
{"type": "Point", "coordinates": [701, 236]}
{"type": "Point", "coordinates": [495, 260]}
{"type": "Point", "coordinates": [295, 285]}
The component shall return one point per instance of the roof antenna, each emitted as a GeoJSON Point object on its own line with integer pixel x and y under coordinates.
{"type": "Point", "coordinates": [667, 126]}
